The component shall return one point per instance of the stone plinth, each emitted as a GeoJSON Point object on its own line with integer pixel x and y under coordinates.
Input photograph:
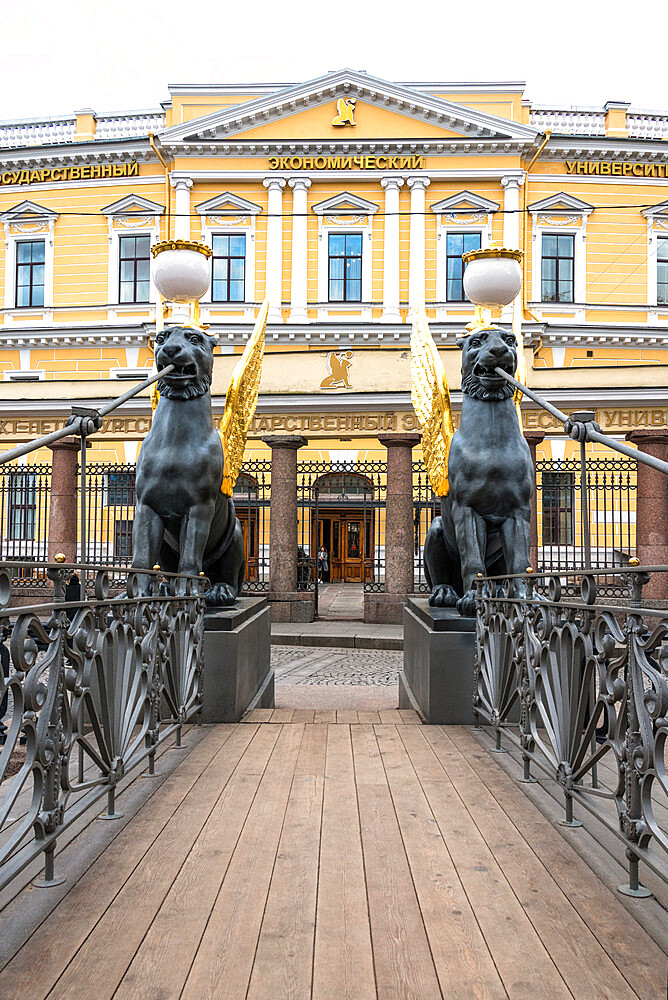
{"type": "Point", "coordinates": [63, 500]}
{"type": "Point", "coordinates": [237, 661]}
{"type": "Point", "coordinates": [533, 439]}
{"type": "Point", "coordinates": [652, 510]}
{"type": "Point", "coordinates": [387, 607]}
{"type": "Point", "coordinates": [437, 677]}
{"type": "Point", "coordinates": [292, 606]}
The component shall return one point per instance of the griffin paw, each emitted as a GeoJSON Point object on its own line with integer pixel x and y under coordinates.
{"type": "Point", "coordinates": [221, 595]}
{"type": "Point", "coordinates": [443, 596]}
{"type": "Point", "coordinates": [466, 605]}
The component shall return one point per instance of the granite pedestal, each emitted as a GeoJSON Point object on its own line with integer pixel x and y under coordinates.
{"type": "Point", "coordinates": [237, 660]}
{"type": "Point", "coordinates": [437, 678]}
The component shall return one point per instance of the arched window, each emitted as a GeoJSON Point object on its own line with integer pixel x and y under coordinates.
{"type": "Point", "coordinates": [246, 487]}
{"type": "Point", "coordinates": [341, 486]}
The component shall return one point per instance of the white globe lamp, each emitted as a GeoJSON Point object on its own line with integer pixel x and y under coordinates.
{"type": "Point", "coordinates": [181, 270]}
{"type": "Point", "coordinates": [492, 277]}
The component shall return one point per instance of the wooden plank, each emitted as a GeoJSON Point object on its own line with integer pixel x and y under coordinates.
{"type": "Point", "coordinates": [410, 717]}
{"type": "Point", "coordinates": [584, 965]}
{"type": "Point", "coordinates": [390, 717]}
{"type": "Point", "coordinates": [346, 716]}
{"type": "Point", "coordinates": [523, 962]}
{"type": "Point", "coordinates": [259, 715]}
{"type": "Point", "coordinates": [463, 963]}
{"type": "Point", "coordinates": [639, 958]}
{"type": "Point", "coordinates": [283, 964]}
{"type": "Point", "coordinates": [59, 938]}
{"type": "Point", "coordinates": [402, 958]}
{"type": "Point", "coordinates": [304, 715]}
{"type": "Point", "coordinates": [282, 715]}
{"type": "Point", "coordinates": [322, 715]}
{"type": "Point", "coordinates": [161, 964]}
{"type": "Point", "coordinates": [223, 964]}
{"type": "Point", "coordinates": [368, 718]}
{"type": "Point", "coordinates": [343, 960]}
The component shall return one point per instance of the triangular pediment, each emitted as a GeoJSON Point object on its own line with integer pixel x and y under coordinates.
{"type": "Point", "coordinates": [465, 201]}
{"type": "Point", "coordinates": [654, 210]}
{"type": "Point", "coordinates": [561, 202]}
{"type": "Point", "coordinates": [345, 203]}
{"type": "Point", "coordinates": [228, 204]}
{"type": "Point", "coordinates": [28, 211]}
{"type": "Point", "coordinates": [317, 102]}
{"type": "Point", "coordinates": [133, 203]}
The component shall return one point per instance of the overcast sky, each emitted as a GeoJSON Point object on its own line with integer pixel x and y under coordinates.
{"type": "Point", "coordinates": [62, 55]}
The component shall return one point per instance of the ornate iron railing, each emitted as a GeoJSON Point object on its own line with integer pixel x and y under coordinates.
{"type": "Point", "coordinates": [580, 686]}
{"type": "Point", "coordinates": [109, 678]}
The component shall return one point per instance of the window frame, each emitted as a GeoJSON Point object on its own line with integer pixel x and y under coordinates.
{"type": "Point", "coordinates": [463, 231]}
{"type": "Point", "coordinates": [551, 518]}
{"type": "Point", "coordinates": [28, 222]}
{"type": "Point", "coordinates": [543, 257]}
{"type": "Point", "coordinates": [31, 265]}
{"type": "Point", "coordinates": [16, 487]}
{"type": "Point", "coordinates": [227, 235]}
{"type": "Point", "coordinates": [134, 301]}
{"type": "Point", "coordinates": [659, 241]}
{"type": "Point", "coordinates": [345, 257]}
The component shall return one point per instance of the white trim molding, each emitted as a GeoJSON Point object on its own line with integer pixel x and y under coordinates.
{"type": "Point", "coordinates": [131, 215]}
{"type": "Point", "coordinates": [355, 215]}
{"type": "Point", "coordinates": [28, 221]}
{"type": "Point", "coordinates": [564, 215]}
{"type": "Point", "coordinates": [226, 215]}
{"type": "Point", "coordinates": [467, 213]}
{"type": "Point", "coordinates": [657, 227]}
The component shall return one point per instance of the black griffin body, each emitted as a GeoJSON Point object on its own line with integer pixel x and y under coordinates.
{"type": "Point", "coordinates": [485, 518]}
{"type": "Point", "coordinates": [182, 520]}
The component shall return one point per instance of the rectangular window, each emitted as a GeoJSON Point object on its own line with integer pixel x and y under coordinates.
{"type": "Point", "coordinates": [345, 267]}
{"type": "Point", "coordinates": [662, 271]}
{"type": "Point", "coordinates": [22, 506]}
{"type": "Point", "coordinates": [30, 273]}
{"type": "Point", "coordinates": [228, 268]}
{"type": "Point", "coordinates": [120, 489]}
{"type": "Point", "coordinates": [122, 540]}
{"type": "Point", "coordinates": [456, 245]}
{"type": "Point", "coordinates": [557, 268]}
{"type": "Point", "coordinates": [558, 495]}
{"type": "Point", "coordinates": [135, 267]}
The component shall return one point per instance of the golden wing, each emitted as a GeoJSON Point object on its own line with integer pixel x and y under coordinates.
{"type": "Point", "coordinates": [240, 402]}
{"type": "Point", "coordinates": [431, 401]}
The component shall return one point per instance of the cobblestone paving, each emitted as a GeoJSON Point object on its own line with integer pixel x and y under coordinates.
{"type": "Point", "coordinates": [330, 666]}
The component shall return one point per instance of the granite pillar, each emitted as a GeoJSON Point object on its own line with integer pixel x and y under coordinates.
{"type": "Point", "coordinates": [387, 607]}
{"type": "Point", "coordinates": [286, 602]}
{"type": "Point", "coordinates": [533, 439]}
{"type": "Point", "coordinates": [652, 510]}
{"type": "Point", "coordinates": [63, 502]}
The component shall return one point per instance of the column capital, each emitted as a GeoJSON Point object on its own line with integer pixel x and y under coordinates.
{"type": "Point", "coordinates": [392, 182]}
{"type": "Point", "coordinates": [399, 440]}
{"type": "Point", "coordinates": [648, 435]}
{"type": "Point", "coordinates": [274, 183]}
{"type": "Point", "coordinates": [293, 441]}
{"type": "Point", "coordinates": [418, 183]}
{"type": "Point", "coordinates": [65, 444]}
{"type": "Point", "coordinates": [512, 181]}
{"type": "Point", "coordinates": [181, 183]}
{"type": "Point", "coordinates": [298, 183]}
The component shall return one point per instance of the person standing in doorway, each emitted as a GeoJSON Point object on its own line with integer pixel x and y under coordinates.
{"type": "Point", "coordinates": [323, 565]}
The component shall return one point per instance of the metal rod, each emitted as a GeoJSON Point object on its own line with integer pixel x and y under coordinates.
{"type": "Point", "coordinates": [316, 494]}
{"type": "Point", "coordinates": [592, 433]}
{"type": "Point", "coordinates": [584, 503]}
{"type": "Point", "coordinates": [84, 525]}
{"type": "Point", "coordinates": [42, 442]}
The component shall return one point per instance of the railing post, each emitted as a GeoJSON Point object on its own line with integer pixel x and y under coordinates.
{"type": "Point", "coordinates": [63, 503]}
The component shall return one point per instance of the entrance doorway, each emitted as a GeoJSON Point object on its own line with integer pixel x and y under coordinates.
{"type": "Point", "coordinates": [349, 544]}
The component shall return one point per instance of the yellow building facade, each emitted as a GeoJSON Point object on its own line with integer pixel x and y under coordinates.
{"type": "Point", "coordinates": [343, 200]}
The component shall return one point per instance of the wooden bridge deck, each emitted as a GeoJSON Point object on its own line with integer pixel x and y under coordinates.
{"type": "Point", "coordinates": [332, 859]}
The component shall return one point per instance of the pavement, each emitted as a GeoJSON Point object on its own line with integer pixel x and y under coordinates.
{"type": "Point", "coordinates": [343, 678]}
{"type": "Point", "coordinates": [339, 624]}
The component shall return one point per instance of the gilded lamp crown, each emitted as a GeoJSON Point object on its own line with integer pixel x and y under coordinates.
{"type": "Point", "coordinates": [492, 279]}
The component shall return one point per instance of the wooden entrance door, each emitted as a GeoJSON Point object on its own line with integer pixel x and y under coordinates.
{"type": "Point", "coordinates": [342, 534]}
{"type": "Point", "coordinates": [249, 527]}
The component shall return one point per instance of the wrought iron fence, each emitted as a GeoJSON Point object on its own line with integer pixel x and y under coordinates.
{"type": "Point", "coordinates": [610, 512]}
{"type": "Point", "coordinates": [25, 493]}
{"type": "Point", "coordinates": [110, 678]}
{"type": "Point", "coordinates": [582, 689]}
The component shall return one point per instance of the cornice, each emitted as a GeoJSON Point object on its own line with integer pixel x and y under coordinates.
{"type": "Point", "coordinates": [391, 146]}
{"type": "Point", "coordinates": [79, 152]}
{"type": "Point", "coordinates": [577, 147]}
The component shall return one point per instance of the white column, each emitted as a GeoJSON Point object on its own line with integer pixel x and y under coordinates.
{"type": "Point", "coordinates": [511, 204]}
{"type": "Point", "coordinates": [391, 250]}
{"type": "Point", "coordinates": [274, 186]}
{"type": "Point", "coordinates": [182, 187]}
{"type": "Point", "coordinates": [418, 186]}
{"type": "Point", "coordinates": [298, 296]}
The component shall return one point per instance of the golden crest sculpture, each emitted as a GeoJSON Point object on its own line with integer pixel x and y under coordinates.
{"type": "Point", "coordinates": [345, 112]}
{"type": "Point", "coordinates": [240, 402]}
{"type": "Point", "coordinates": [430, 395]}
